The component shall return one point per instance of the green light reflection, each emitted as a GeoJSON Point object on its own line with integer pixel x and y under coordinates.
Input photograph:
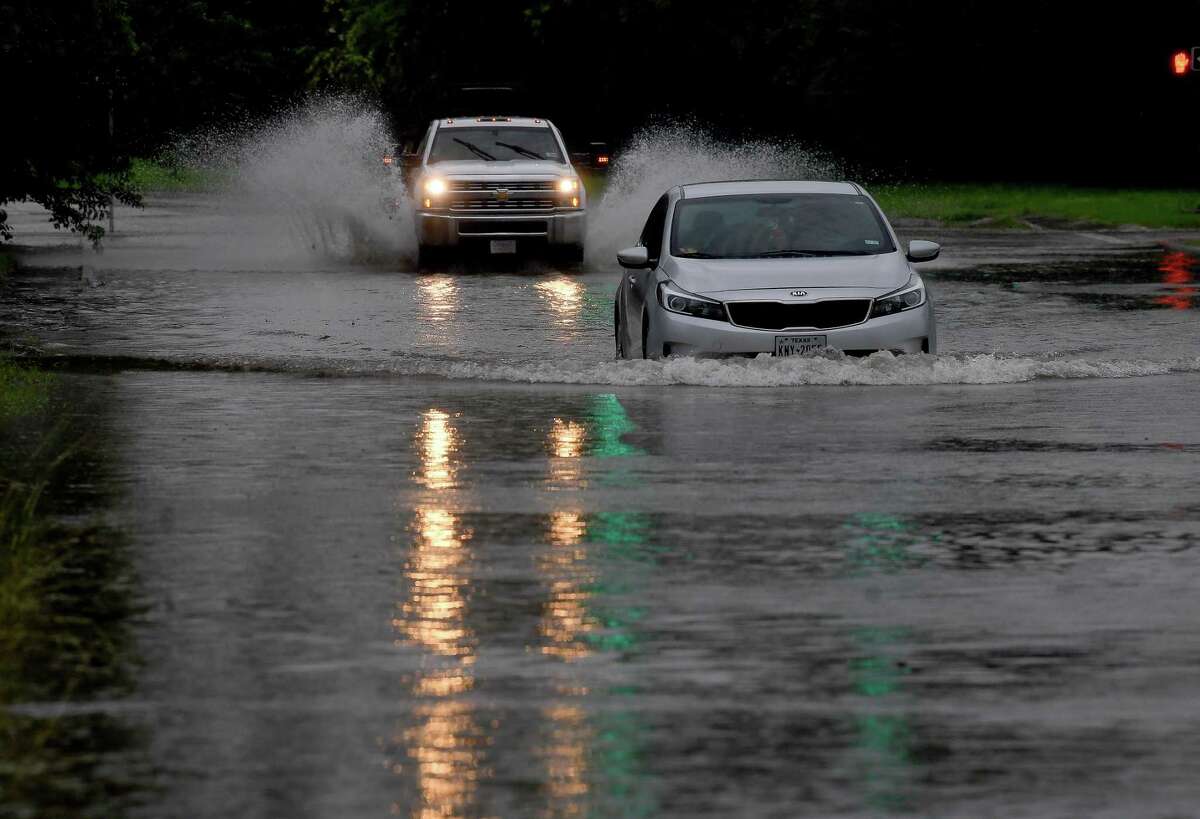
{"type": "Point", "coordinates": [879, 544]}
{"type": "Point", "coordinates": [595, 757]}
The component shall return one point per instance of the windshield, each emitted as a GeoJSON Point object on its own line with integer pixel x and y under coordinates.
{"type": "Point", "coordinates": [778, 225]}
{"type": "Point", "coordinates": [495, 144]}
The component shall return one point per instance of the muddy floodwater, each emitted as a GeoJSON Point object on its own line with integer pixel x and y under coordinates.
{"type": "Point", "coordinates": [404, 543]}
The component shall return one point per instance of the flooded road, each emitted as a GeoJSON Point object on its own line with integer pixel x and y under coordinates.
{"type": "Point", "coordinates": [413, 544]}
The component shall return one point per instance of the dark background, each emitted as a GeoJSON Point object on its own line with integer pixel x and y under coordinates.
{"type": "Point", "coordinates": [1005, 91]}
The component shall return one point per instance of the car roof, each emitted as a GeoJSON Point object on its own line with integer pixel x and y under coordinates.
{"type": "Point", "coordinates": [751, 186]}
{"type": "Point", "coordinates": [493, 121]}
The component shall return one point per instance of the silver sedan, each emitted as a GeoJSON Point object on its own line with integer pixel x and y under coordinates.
{"type": "Point", "coordinates": [786, 268]}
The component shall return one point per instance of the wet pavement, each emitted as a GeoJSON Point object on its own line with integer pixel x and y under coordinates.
{"type": "Point", "coordinates": [412, 544]}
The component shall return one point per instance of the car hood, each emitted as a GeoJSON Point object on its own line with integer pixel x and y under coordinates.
{"type": "Point", "coordinates": [517, 167]}
{"type": "Point", "coordinates": [879, 274]}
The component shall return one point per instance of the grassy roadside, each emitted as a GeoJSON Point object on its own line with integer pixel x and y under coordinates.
{"type": "Point", "coordinates": [149, 176]}
{"type": "Point", "coordinates": [1006, 205]}
{"type": "Point", "coordinates": [64, 605]}
{"type": "Point", "coordinates": [1011, 205]}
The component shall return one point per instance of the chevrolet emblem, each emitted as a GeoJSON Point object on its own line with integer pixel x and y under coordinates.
{"type": "Point", "coordinates": [502, 194]}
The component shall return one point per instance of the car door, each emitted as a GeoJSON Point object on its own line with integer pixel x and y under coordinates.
{"type": "Point", "coordinates": [638, 284]}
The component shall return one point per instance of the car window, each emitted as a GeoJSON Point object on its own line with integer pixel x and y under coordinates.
{"type": "Point", "coordinates": [754, 225]}
{"type": "Point", "coordinates": [652, 233]}
{"type": "Point", "coordinates": [503, 144]}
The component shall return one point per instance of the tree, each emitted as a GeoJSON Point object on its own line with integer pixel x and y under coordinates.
{"type": "Point", "coordinates": [63, 62]}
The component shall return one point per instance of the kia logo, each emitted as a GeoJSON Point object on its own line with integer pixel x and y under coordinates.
{"type": "Point", "coordinates": [799, 293]}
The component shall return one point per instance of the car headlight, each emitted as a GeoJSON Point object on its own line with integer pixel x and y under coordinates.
{"type": "Point", "coordinates": [568, 184]}
{"type": "Point", "coordinates": [906, 298]}
{"type": "Point", "coordinates": [435, 186]}
{"type": "Point", "coordinates": [680, 301]}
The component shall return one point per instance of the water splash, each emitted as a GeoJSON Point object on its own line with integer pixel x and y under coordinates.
{"type": "Point", "coordinates": [881, 369]}
{"type": "Point", "coordinates": [310, 182]}
{"type": "Point", "coordinates": [662, 156]}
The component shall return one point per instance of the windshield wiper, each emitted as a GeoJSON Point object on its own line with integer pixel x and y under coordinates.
{"type": "Point", "coordinates": [518, 149]}
{"type": "Point", "coordinates": [810, 253]}
{"type": "Point", "coordinates": [475, 149]}
{"type": "Point", "coordinates": [700, 256]}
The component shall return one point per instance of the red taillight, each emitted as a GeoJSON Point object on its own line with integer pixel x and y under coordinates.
{"type": "Point", "coordinates": [1180, 62]}
{"type": "Point", "coordinates": [602, 160]}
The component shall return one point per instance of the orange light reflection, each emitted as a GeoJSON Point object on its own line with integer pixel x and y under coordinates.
{"type": "Point", "coordinates": [437, 298]}
{"type": "Point", "coordinates": [439, 444]}
{"type": "Point", "coordinates": [564, 626]}
{"type": "Point", "coordinates": [566, 446]}
{"type": "Point", "coordinates": [564, 297]}
{"type": "Point", "coordinates": [446, 743]}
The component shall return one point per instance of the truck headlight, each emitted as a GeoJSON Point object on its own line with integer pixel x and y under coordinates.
{"type": "Point", "coordinates": [689, 304]}
{"type": "Point", "coordinates": [435, 186]}
{"type": "Point", "coordinates": [906, 298]}
{"type": "Point", "coordinates": [568, 184]}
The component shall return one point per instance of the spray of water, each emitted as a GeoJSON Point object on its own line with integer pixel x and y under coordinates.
{"type": "Point", "coordinates": [310, 182]}
{"type": "Point", "coordinates": [669, 154]}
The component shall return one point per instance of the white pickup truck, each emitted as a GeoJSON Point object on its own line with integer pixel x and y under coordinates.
{"type": "Point", "coordinates": [504, 184]}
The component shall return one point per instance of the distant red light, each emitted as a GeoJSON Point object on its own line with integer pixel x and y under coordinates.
{"type": "Point", "coordinates": [1180, 62]}
{"type": "Point", "coordinates": [387, 160]}
{"type": "Point", "coordinates": [602, 160]}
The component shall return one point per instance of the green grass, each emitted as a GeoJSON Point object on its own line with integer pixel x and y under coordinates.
{"type": "Point", "coordinates": [23, 391]}
{"type": "Point", "coordinates": [1006, 205]}
{"type": "Point", "coordinates": [148, 175]}
{"type": "Point", "coordinates": [64, 607]}
{"type": "Point", "coordinates": [1011, 205]}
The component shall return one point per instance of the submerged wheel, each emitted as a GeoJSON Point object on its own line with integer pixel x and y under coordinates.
{"type": "Point", "coordinates": [429, 256]}
{"type": "Point", "coordinates": [617, 334]}
{"type": "Point", "coordinates": [571, 254]}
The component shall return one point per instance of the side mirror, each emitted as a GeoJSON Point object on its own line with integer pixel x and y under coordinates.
{"type": "Point", "coordinates": [635, 258]}
{"type": "Point", "coordinates": [919, 251]}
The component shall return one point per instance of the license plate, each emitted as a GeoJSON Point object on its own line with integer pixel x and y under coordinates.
{"type": "Point", "coordinates": [504, 245]}
{"type": "Point", "coordinates": [799, 345]}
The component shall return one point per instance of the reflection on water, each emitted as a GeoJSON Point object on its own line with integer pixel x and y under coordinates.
{"type": "Point", "coordinates": [565, 619]}
{"type": "Point", "coordinates": [447, 743]}
{"type": "Point", "coordinates": [437, 298]}
{"type": "Point", "coordinates": [882, 543]}
{"type": "Point", "coordinates": [564, 624]}
{"type": "Point", "coordinates": [879, 543]}
{"type": "Point", "coordinates": [591, 565]}
{"type": "Point", "coordinates": [566, 446]}
{"type": "Point", "coordinates": [610, 423]}
{"type": "Point", "coordinates": [438, 443]}
{"type": "Point", "coordinates": [884, 739]}
{"type": "Point", "coordinates": [1176, 268]}
{"type": "Point", "coordinates": [564, 297]}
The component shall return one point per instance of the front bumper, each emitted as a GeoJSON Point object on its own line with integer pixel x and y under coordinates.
{"type": "Point", "coordinates": [441, 229]}
{"type": "Point", "coordinates": [912, 331]}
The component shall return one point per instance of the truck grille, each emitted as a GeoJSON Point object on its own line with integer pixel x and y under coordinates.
{"type": "Point", "coordinates": [531, 227]}
{"type": "Point", "coordinates": [510, 185]}
{"type": "Point", "coordinates": [501, 204]}
{"type": "Point", "coordinates": [820, 315]}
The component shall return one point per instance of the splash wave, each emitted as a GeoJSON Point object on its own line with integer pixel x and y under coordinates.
{"type": "Point", "coordinates": [673, 153]}
{"type": "Point", "coordinates": [880, 369]}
